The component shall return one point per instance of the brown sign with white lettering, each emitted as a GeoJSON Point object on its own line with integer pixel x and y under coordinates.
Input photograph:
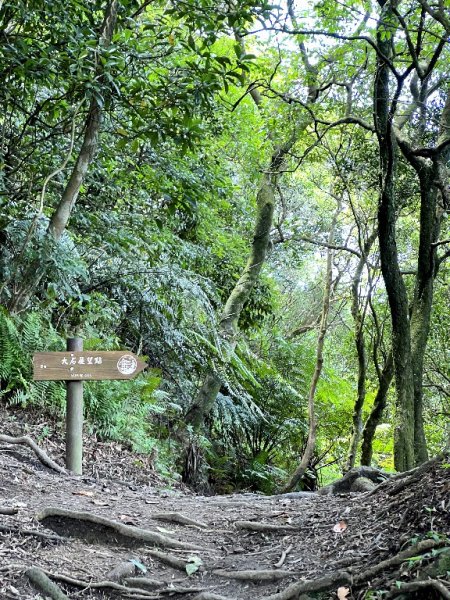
{"type": "Point", "coordinates": [85, 366]}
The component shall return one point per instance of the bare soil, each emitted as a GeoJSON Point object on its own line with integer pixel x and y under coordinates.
{"type": "Point", "coordinates": [276, 541]}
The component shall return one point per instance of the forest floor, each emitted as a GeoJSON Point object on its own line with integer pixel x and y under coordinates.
{"type": "Point", "coordinates": [83, 532]}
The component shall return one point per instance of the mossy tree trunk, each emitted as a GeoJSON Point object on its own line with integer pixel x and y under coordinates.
{"type": "Point", "coordinates": [358, 314]}
{"type": "Point", "coordinates": [379, 404]}
{"type": "Point", "coordinates": [433, 179]}
{"type": "Point", "coordinates": [228, 326]}
{"type": "Point", "coordinates": [265, 202]}
{"type": "Point", "coordinates": [384, 111]}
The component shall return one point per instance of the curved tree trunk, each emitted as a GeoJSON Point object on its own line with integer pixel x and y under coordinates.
{"type": "Point", "coordinates": [384, 110]}
{"type": "Point", "coordinates": [308, 453]}
{"type": "Point", "coordinates": [432, 177]}
{"type": "Point", "coordinates": [265, 201]}
{"type": "Point", "coordinates": [422, 304]}
{"type": "Point", "coordinates": [358, 315]}
{"type": "Point", "coordinates": [228, 326]}
{"type": "Point", "coordinates": [376, 414]}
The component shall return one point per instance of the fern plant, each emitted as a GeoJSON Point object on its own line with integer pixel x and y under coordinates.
{"type": "Point", "coordinates": [19, 339]}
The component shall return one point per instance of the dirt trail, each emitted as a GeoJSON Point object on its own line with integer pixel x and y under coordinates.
{"type": "Point", "coordinates": [246, 545]}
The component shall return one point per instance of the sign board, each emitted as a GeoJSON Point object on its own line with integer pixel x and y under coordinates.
{"type": "Point", "coordinates": [85, 366]}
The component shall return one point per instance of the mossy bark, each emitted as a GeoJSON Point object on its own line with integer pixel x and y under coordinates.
{"type": "Point", "coordinates": [432, 174]}
{"type": "Point", "coordinates": [384, 109]}
{"type": "Point", "coordinates": [358, 315]}
{"type": "Point", "coordinates": [228, 326]}
{"type": "Point", "coordinates": [376, 413]}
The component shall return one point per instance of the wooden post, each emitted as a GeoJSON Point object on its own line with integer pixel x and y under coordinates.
{"type": "Point", "coordinates": [74, 417]}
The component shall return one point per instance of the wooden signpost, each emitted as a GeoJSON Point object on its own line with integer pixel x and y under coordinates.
{"type": "Point", "coordinates": [74, 367]}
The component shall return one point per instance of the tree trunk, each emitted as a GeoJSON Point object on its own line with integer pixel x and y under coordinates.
{"type": "Point", "coordinates": [265, 201]}
{"type": "Point", "coordinates": [228, 326]}
{"type": "Point", "coordinates": [432, 174]}
{"type": "Point", "coordinates": [63, 211]}
{"type": "Point", "coordinates": [377, 411]}
{"type": "Point", "coordinates": [358, 315]}
{"type": "Point", "coordinates": [308, 453]}
{"type": "Point", "coordinates": [422, 304]}
{"type": "Point", "coordinates": [395, 287]}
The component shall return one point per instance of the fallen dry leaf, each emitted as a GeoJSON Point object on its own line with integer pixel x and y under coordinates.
{"type": "Point", "coordinates": [342, 593]}
{"type": "Point", "coordinates": [340, 527]}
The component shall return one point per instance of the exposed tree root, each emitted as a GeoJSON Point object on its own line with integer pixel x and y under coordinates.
{"type": "Point", "coordinates": [329, 582]}
{"type": "Point", "coordinates": [8, 510]}
{"type": "Point", "coordinates": [345, 578]}
{"type": "Point", "coordinates": [398, 482]}
{"type": "Point", "coordinates": [211, 596]}
{"type": "Point", "coordinates": [42, 456]}
{"type": "Point", "coordinates": [96, 584]}
{"type": "Point", "coordinates": [45, 585]}
{"type": "Point", "coordinates": [138, 590]}
{"type": "Point", "coordinates": [258, 575]}
{"type": "Point", "coordinates": [175, 517]}
{"type": "Point", "coordinates": [254, 526]}
{"type": "Point", "coordinates": [143, 583]}
{"type": "Point", "coordinates": [134, 533]}
{"type": "Point", "coordinates": [398, 559]}
{"type": "Point", "coordinates": [12, 567]}
{"type": "Point", "coordinates": [168, 559]}
{"type": "Point", "coordinates": [31, 532]}
{"type": "Point", "coordinates": [420, 586]}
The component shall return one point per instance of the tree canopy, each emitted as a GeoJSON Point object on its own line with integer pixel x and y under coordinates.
{"type": "Point", "coordinates": [252, 197]}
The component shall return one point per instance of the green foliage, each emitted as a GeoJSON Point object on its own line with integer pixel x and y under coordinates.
{"type": "Point", "coordinates": [122, 411]}
{"type": "Point", "coordinates": [19, 339]}
{"type": "Point", "coordinates": [163, 222]}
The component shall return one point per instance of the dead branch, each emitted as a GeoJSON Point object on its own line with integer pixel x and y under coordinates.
{"type": "Point", "coordinates": [42, 456]}
{"type": "Point", "coordinates": [42, 583]}
{"type": "Point", "coordinates": [135, 533]}
{"type": "Point", "coordinates": [175, 517]}
{"type": "Point", "coordinates": [283, 556]}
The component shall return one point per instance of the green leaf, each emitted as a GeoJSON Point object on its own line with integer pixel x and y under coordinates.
{"type": "Point", "coordinates": [138, 565]}
{"type": "Point", "coordinates": [193, 564]}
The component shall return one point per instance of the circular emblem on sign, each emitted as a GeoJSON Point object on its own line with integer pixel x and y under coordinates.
{"type": "Point", "coordinates": [127, 364]}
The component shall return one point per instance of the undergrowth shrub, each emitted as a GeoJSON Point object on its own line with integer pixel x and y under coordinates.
{"type": "Point", "coordinates": [255, 440]}
{"type": "Point", "coordinates": [126, 411]}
